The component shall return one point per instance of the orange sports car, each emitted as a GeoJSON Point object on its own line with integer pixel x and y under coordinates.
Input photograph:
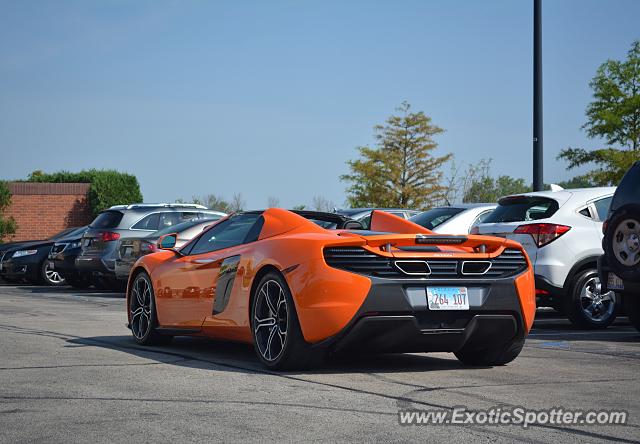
{"type": "Point", "coordinates": [301, 285]}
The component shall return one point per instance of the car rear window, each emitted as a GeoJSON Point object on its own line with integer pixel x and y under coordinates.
{"type": "Point", "coordinates": [523, 208]}
{"type": "Point", "coordinates": [434, 217]}
{"type": "Point", "coordinates": [107, 219]}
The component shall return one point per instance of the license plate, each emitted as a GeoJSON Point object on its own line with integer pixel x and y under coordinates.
{"type": "Point", "coordinates": [447, 298]}
{"type": "Point", "coordinates": [614, 282]}
{"type": "Point", "coordinates": [86, 242]}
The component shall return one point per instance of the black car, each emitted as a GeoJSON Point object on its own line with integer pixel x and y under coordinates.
{"type": "Point", "coordinates": [30, 260]}
{"type": "Point", "coordinates": [62, 259]}
{"type": "Point", "coordinates": [619, 267]}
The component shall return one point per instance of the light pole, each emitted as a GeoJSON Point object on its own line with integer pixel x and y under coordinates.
{"type": "Point", "coordinates": [538, 180]}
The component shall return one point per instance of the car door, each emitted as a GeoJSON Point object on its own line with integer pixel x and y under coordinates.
{"type": "Point", "coordinates": [189, 285]}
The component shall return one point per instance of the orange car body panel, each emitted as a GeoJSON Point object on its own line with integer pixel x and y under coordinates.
{"type": "Point", "coordinates": [326, 299]}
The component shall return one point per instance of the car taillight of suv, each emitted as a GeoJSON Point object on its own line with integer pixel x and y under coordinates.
{"type": "Point", "coordinates": [543, 234]}
{"type": "Point", "coordinates": [109, 236]}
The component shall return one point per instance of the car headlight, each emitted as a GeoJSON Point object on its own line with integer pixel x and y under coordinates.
{"type": "Point", "coordinates": [21, 253]}
{"type": "Point", "coordinates": [75, 244]}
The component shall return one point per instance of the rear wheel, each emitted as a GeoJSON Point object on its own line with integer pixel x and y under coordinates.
{"type": "Point", "coordinates": [79, 282]}
{"type": "Point", "coordinates": [632, 304]}
{"type": "Point", "coordinates": [492, 355]}
{"type": "Point", "coordinates": [143, 319]}
{"type": "Point", "coordinates": [585, 304]}
{"type": "Point", "coordinates": [277, 336]}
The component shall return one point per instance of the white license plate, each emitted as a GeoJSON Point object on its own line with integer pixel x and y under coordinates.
{"type": "Point", "coordinates": [614, 282]}
{"type": "Point", "coordinates": [447, 298]}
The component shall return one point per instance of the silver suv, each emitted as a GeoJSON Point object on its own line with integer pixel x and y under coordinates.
{"type": "Point", "coordinates": [97, 258]}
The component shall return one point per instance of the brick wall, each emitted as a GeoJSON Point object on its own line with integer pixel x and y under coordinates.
{"type": "Point", "coordinates": [43, 209]}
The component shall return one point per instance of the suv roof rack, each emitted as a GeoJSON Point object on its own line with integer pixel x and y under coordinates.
{"type": "Point", "coordinates": [158, 205]}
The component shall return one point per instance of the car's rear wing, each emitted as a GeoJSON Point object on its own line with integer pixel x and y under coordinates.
{"type": "Point", "coordinates": [387, 222]}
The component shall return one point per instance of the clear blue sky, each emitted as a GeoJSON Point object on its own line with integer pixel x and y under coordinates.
{"type": "Point", "coordinates": [271, 98]}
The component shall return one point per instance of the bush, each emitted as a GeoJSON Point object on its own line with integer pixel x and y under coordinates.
{"type": "Point", "coordinates": [7, 225]}
{"type": "Point", "coordinates": [108, 187]}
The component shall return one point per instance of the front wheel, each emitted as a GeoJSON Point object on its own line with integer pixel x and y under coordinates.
{"type": "Point", "coordinates": [143, 319]}
{"type": "Point", "coordinates": [585, 304]}
{"type": "Point", "coordinates": [49, 276]}
{"type": "Point", "coordinates": [491, 356]}
{"type": "Point", "coordinates": [275, 327]}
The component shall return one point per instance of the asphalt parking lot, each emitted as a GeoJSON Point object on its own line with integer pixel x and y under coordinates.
{"type": "Point", "coordinates": [69, 372]}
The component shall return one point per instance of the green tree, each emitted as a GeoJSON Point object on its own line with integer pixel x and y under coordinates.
{"type": "Point", "coordinates": [213, 202]}
{"type": "Point", "coordinates": [478, 185]}
{"type": "Point", "coordinates": [8, 225]}
{"type": "Point", "coordinates": [613, 115]}
{"type": "Point", "coordinates": [107, 187]}
{"type": "Point", "coordinates": [401, 171]}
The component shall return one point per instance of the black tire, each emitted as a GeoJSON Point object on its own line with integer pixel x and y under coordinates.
{"type": "Point", "coordinates": [585, 307]}
{"type": "Point", "coordinates": [491, 356]}
{"type": "Point", "coordinates": [49, 276]}
{"type": "Point", "coordinates": [116, 285]}
{"type": "Point", "coordinates": [293, 352]}
{"type": "Point", "coordinates": [79, 282]}
{"type": "Point", "coordinates": [628, 216]}
{"type": "Point", "coordinates": [99, 283]}
{"type": "Point", "coordinates": [143, 318]}
{"type": "Point", "coordinates": [632, 304]}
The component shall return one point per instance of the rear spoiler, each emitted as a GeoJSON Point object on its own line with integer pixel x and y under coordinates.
{"type": "Point", "coordinates": [383, 221]}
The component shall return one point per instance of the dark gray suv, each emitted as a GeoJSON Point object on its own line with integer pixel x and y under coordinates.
{"type": "Point", "coordinates": [97, 258]}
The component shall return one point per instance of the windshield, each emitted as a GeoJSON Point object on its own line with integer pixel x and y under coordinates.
{"type": "Point", "coordinates": [522, 208]}
{"type": "Point", "coordinates": [182, 226]}
{"type": "Point", "coordinates": [436, 216]}
{"type": "Point", "coordinates": [65, 232]}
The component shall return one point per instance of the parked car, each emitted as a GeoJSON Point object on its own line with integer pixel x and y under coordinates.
{"type": "Point", "coordinates": [456, 219]}
{"type": "Point", "coordinates": [62, 260]}
{"type": "Point", "coordinates": [133, 248]}
{"type": "Point", "coordinates": [99, 249]}
{"type": "Point", "coordinates": [619, 266]}
{"type": "Point", "coordinates": [298, 292]}
{"type": "Point", "coordinates": [30, 260]}
{"type": "Point", "coordinates": [363, 215]}
{"type": "Point", "coordinates": [562, 232]}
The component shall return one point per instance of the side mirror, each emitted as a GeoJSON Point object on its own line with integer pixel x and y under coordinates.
{"type": "Point", "coordinates": [168, 241]}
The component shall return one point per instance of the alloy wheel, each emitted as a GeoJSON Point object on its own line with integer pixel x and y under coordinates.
{"type": "Point", "coordinates": [52, 276]}
{"type": "Point", "coordinates": [596, 306]}
{"type": "Point", "coordinates": [270, 320]}
{"type": "Point", "coordinates": [626, 242]}
{"type": "Point", "coordinates": [140, 308]}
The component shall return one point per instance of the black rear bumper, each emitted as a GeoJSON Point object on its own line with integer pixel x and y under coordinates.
{"type": "Point", "coordinates": [630, 287]}
{"type": "Point", "coordinates": [395, 318]}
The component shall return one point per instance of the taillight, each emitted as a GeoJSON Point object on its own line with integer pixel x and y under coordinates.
{"type": "Point", "coordinates": [604, 226]}
{"type": "Point", "coordinates": [474, 230]}
{"type": "Point", "coordinates": [543, 234]}
{"type": "Point", "coordinates": [109, 236]}
{"type": "Point", "coordinates": [148, 247]}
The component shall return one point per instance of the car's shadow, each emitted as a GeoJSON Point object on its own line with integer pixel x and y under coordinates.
{"type": "Point", "coordinates": [202, 353]}
{"type": "Point", "coordinates": [66, 290]}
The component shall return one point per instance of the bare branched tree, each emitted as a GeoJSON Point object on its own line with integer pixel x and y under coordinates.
{"type": "Point", "coordinates": [321, 203]}
{"type": "Point", "coordinates": [273, 202]}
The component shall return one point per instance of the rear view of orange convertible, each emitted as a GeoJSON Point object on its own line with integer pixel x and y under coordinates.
{"type": "Point", "coordinates": [302, 285]}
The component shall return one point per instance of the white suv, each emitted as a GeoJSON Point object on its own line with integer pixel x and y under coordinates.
{"type": "Point", "coordinates": [562, 234]}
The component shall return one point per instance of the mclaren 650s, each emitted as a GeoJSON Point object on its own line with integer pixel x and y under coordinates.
{"type": "Point", "coordinates": [302, 285]}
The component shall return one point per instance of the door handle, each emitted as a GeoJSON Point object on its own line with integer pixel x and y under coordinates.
{"type": "Point", "coordinates": [203, 261]}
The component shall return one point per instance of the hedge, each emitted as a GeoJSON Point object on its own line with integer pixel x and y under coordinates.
{"type": "Point", "coordinates": [108, 187]}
